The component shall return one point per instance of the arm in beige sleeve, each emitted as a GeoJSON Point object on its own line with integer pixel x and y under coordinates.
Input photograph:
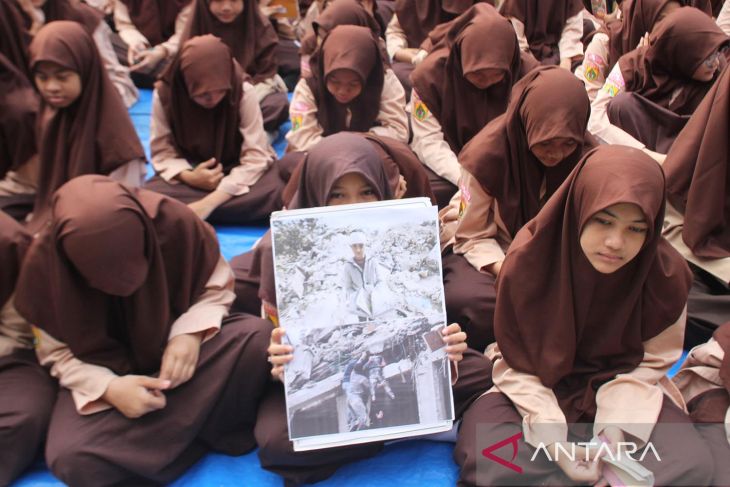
{"type": "Point", "coordinates": [701, 370]}
{"type": "Point", "coordinates": [118, 74]}
{"type": "Point", "coordinates": [208, 311]}
{"type": "Point", "coordinates": [256, 153]}
{"type": "Point", "coordinates": [131, 174]}
{"type": "Point", "coordinates": [428, 141]}
{"type": "Point", "coordinates": [723, 20]}
{"type": "Point", "coordinates": [595, 64]}
{"type": "Point", "coordinates": [165, 159]}
{"type": "Point", "coordinates": [87, 382]}
{"type": "Point", "coordinates": [476, 232]}
{"type": "Point", "coordinates": [305, 128]}
{"type": "Point", "coordinates": [543, 422]}
{"type": "Point", "coordinates": [599, 124]}
{"type": "Point", "coordinates": [172, 45]}
{"type": "Point", "coordinates": [395, 37]}
{"type": "Point", "coordinates": [632, 401]}
{"type": "Point", "coordinates": [126, 28]}
{"type": "Point", "coordinates": [570, 44]}
{"type": "Point", "coordinates": [519, 28]}
{"type": "Point", "coordinates": [392, 116]}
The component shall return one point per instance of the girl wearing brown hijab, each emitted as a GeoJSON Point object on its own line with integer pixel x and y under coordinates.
{"type": "Point", "coordinates": [459, 88]}
{"type": "Point", "coordinates": [14, 35]}
{"type": "Point", "coordinates": [342, 169]}
{"type": "Point", "coordinates": [698, 209]}
{"type": "Point", "coordinates": [47, 11]}
{"type": "Point", "coordinates": [129, 297]}
{"type": "Point", "coordinates": [252, 40]}
{"type": "Point", "coordinates": [208, 143]}
{"type": "Point", "coordinates": [704, 381]}
{"type": "Point", "coordinates": [28, 392]}
{"type": "Point", "coordinates": [350, 89]}
{"type": "Point", "coordinates": [84, 126]}
{"type": "Point", "coordinates": [590, 317]}
{"type": "Point", "coordinates": [509, 169]}
{"type": "Point", "coordinates": [549, 29]}
{"type": "Point", "coordinates": [652, 91]}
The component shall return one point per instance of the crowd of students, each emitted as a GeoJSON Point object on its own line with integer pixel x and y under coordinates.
{"type": "Point", "coordinates": [577, 151]}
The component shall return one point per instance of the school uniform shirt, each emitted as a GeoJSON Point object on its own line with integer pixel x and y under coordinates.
{"type": "Point", "coordinates": [15, 332]}
{"type": "Point", "coordinates": [396, 39]}
{"type": "Point", "coordinates": [594, 69]}
{"type": "Point", "coordinates": [88, 382]}
{"type": "Point", "coordinates": [306, 131]}
{"type": "Point", "coordinates": [701, 370]}
{"type": "Point", "coordinates": [132, 36]}
{"type": "Point", "coordinates": [256, 153]}
{"type": "Point", "coordinates": [570, 44]}
{"type": "Point", "coordinates": [723, 20]}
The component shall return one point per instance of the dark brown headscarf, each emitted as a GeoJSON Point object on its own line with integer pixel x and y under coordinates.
{"type": "Point", "coordinates": [357, 49]}
{"type": "Point", "coordinates": [75, 11]}
{"type": "Point", "coordinates": [251, 37]}
{"type": "Point", "coordinates": [561, 320]}
{"type": "Point", "coordinates": [698, 174]}
{"type": "Point", "coordinates": [204, 64]}
{"type": "Point", "coordinates": [342, 12]}
{"type": "Point", "coordinates": [94, 135]}
{"type": "Point", "coordinates": [549, 102]}
{"type": "Point", "coordinates": [325, 163]}
{"type": "Point", "coordinates": [113, 270]}
{"type": "Point", "coordinates": [544, 21]}
{"type": "Point", "coordinates": [678, 45]}
{"type": "Point", "coordinates": [14, 38]}
{"type": "Point", "coordinates": [419, 17]}
{"type": "Point", "coordinates": [461, 108]}
{"type": "Point", "coordinates": [155, 19]}
{"type": "Point", "coordinates": [710, 7]}
{"type": "Point", "coordinates": [14, 242]}
{"type": "Point", "coordinates": [19, 102]}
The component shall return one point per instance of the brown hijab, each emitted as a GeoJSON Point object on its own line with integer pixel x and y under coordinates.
{"type": "Point", "coordinates": [14, 242]}
{"type": "Point", "coordinates": [419, 17]}
{"type": "Point", "coordinates": [678, 45]}
{"type": "Point", "coordinates": [357, 49]}
{"type": "Point", "coordinates": [325, 163]}
{"type": "Point", "coordinates": [204, 64]}
{"type": "Point", "coordinates": [544, 21]}
{"type": "Point", "coordinates": [461, 108]}
{"type": "Point", "coordinates": [113, 270]}
{"type": "Point", "coordinates": [698, 174]}
{"type": "Point", "coordinates": [561, 320]}
{"type": "Point", "coordinates": [549, 102]}
{"type": "Point", "coordinates": [251, 37]}
{"type": "Point", "coordinates": [19, 103]}
{"type": "Point", "coordinates": [75, 11]}
{"type": "Point", "coordinates": [14, 38]}
{"type": "Point", "coordinates": [94, 135]}
{"type": "Point", "coordinates": [342, 12]}
{"type": "Point", "coordinates": [155, 19]}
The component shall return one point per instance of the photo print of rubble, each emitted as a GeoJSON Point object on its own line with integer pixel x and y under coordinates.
{"type": "Point", "coordinates": [360, 294]}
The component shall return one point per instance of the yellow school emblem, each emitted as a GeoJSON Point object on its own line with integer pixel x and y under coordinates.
{"type": "Point", "coordinates": [296, 123]}
{"type": "Point", "coordinates": [36, 337]}
{"type": "Point", "coordinates": [420, 110]}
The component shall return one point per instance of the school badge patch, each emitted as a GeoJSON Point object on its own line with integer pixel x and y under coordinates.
{"type": "Point", "coordinates": [420, 110]}
{"type": "Point", "coordinates": [36, 337]}
{"type": "Point", "coordinates": [593, 65]}
{"type": "Point", "coordinates": [615, 82]}
{"type": "Point", "coordinates": [464, 199]}
{"type": "Point", "coordinates": [296, 123]}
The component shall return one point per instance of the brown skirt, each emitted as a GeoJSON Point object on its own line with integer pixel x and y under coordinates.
{"type": "Point", "coordinates": [18, 206]}
{"type": "Point", "coordinates": [685, 458]}
{"type": "Point", "coordinates": [470, 300]}
{"type": "Point", "coordinates": [708, 307]}
{"type": "Point", "coordinates": [276, 452]}
{"type": "Point", "coordinates": [275, 110]}
{"type": "Point", "coordinates": [215, 410]}
{"type": "Point", "coordinates": [26, 402]}
{"type": "Point", "coordinates": [253, 207]}
{"type": "Point", "coordinates": [247, 287]}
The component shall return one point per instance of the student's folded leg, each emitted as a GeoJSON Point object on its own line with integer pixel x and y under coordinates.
{"type": "Point", "coordinates": [475, 378]}
{"type": "Point", "coordinates": [708, 307]}
{"type": "Point", "coordinates": [275, 110]}
{"type": "Point", "coordinates": [247, 288]}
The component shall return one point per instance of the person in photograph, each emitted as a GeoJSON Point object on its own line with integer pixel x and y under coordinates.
{"type": "Point", "coordinates": [374, 368]}
{"type": "Point", "coordinates": [356, 387]}
{"type": "Point", "coordinates": [361, 276]}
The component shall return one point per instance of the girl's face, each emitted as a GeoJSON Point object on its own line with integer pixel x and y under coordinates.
{"type": "Point", "coordinates": [484, 78]}
{"type": "Point", "coordinates": [226, 10]}
{"type": "Point", "coordinates": [58, 85]}
{"type": "Point", "coordinates": [708, 68]}
{"type": "Point", "coordinates": [351, 188]}
{"type": "Point", "coordinates": [552, 152]}
{"type": "Point", "coordinates": [209, 99]}
{"type": "Point", "coordinates": [344, 85]}
{"type": "Point", "coordinates": [614, 236]}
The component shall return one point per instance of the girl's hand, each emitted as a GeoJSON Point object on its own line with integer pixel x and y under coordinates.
{"type": "Point", "coordinates": [134, 52]}
{"type": "Point", "coordinates": [148, 60]}
{"type": "Point", "coordinates": [136, 395]}
{"type": "Point", "coordinates": [279, 354]}
{"type": "Point", "coordinates": [180, 359]}
{"type": "Point", "coordinates": [578, 469]}
{"type": "Point", "coordinates": [455, 341]}
{"type": "Point", "coordinates": [206, 175]}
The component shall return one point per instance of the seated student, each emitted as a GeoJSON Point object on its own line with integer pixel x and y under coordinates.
{"type": "Point", "coordinates": [549, 29]}
{"type": "Point", "coordinates": [150, 31]}
{"type": "Point", "coordinates": [252, 40]}
{"type": "Point", "coordinates": [350, 89]}
{"type": "Point", "coordinates": [704, 380]}
{"type": "Point", "coordinates": [589, 318]}
{"type": "Point", "coordinates": [510, 169]}
{"type": "Point", "coordinates": [28, 391]}
{"type": "Point", "coordinates": [620, 37]}
{"type": "Point", "coordinates": [651, 91]}
{"type": "Point", "coordinates": [208, 143]}
{"type": "Point", "coordinates": [355, 175]}
{"type": "Point", "coordinates": [129, 295]}
{"type": "Point", "coordinates": [46, 11]}
{"type": "Point", "coordinates": [287, 48]}
{"type": "Point", "coordinates": [84, 126]}
{"type": "Point", "coordinates": [459, 88]}
{"type": "Point", "coordinates": [698, 209]}
{"type": "Point", "coordinates": [14, 35]}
